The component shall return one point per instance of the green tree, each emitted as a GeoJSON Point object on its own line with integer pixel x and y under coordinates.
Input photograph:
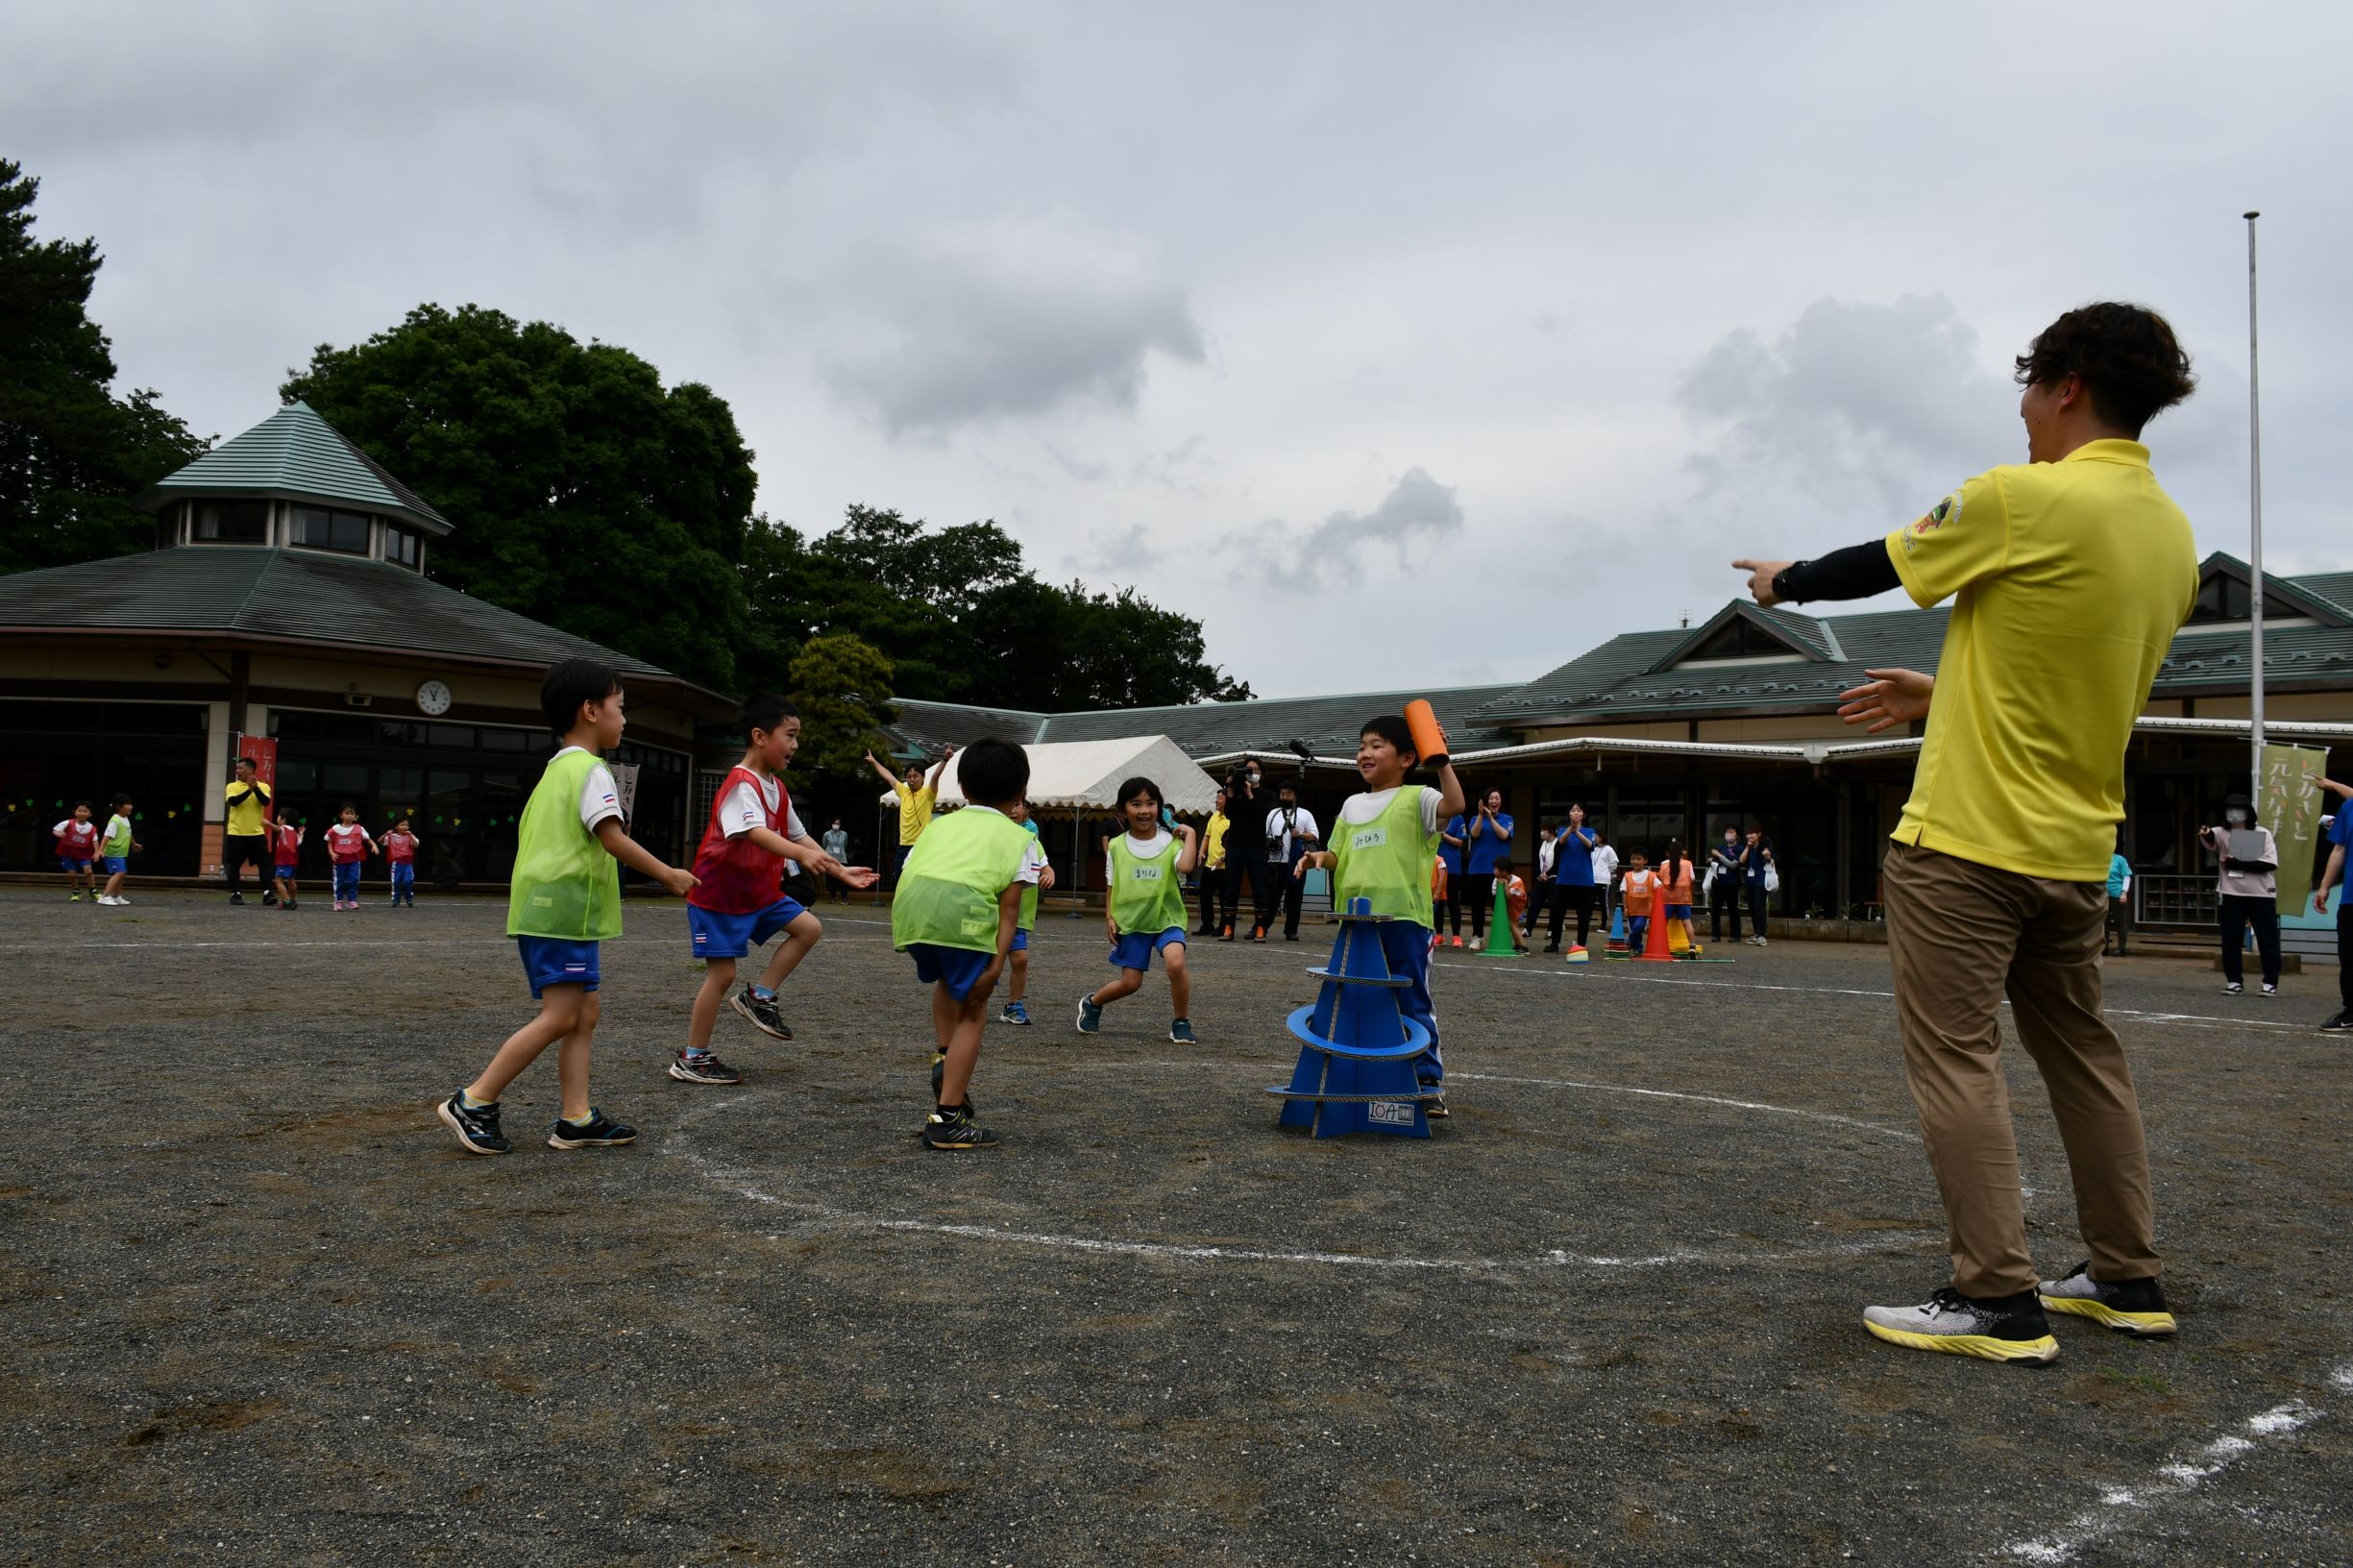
{"type": "Point", "coordinates": [841, 686]}
{"type": "Point", "coordinates": [71, 452]}
{"type": "Point", "coordinates": [962, 619]}
{"type": "Point", "coordinates": [582, 492]}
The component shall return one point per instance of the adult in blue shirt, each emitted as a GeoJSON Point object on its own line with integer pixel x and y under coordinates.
{"type": "Point", "coordinates": [1573, 876]}
{"type": "Point", "coordinates": [1755, 865]}
{"type": "Point", "coordinates": [1724, 892]}
{"type": "Point", "coordinates": [1488, 841]}
{"type": "Point", "coordinates": [2340, 841]}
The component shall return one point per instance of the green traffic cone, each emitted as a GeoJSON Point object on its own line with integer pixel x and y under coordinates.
{"type": "Point", "coordinates": [1499, 934]}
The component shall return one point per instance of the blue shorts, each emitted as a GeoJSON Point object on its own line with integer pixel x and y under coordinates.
{"type": "Point", "coordinates": [75, 865]}
{"type": "Point", "coordinates": [552, 961]}
{"type": "Point", "coordinates": [956, 968]}
{"type": "Point", "coordinates": [116, 865]}
{"type": "Point", "coordinates": [1678, 911]}
{"type": "Point", "coordinates": [285, 873]}
{"type": "Point", "coordinates": [732, 936]}
{"type": "Point", "coordinates": [1133, 950]}
{"type": "Point", "coordinates": [1020, 941]}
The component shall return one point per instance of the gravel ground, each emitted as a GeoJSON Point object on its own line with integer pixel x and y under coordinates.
{"type": "Point", "coordinates": [263, 1310]}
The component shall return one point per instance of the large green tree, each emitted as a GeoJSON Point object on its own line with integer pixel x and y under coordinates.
{"type": "Point", "coordinates": [962, 619]}
{"type": "Point", "coordinates": [71, 451]}
{"type": "Point", "coordinates": [584, 492]}
{"type": "Point", "coordinates": [841, 686]}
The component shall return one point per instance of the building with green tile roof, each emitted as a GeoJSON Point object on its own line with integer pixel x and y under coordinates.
{"type": "Point", "coordinates": [285, 609]}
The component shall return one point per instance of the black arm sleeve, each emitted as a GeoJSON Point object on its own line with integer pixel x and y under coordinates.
{"type": "Point", "coordinates": [1856, 572]}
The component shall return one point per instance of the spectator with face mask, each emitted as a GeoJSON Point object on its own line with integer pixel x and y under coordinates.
{"type": "Point", "coordinates": [2249, 891]}
{"type": "Point", "coordinates": [1247, 803]}
{"type": "Point", "coordinates": [1290, 833]}
{"type": "Point", "coordinates": [1723, 886]}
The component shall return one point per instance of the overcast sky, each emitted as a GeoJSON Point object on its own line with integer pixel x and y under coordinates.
{"type": "Point", "coordinates": [1399, 344]}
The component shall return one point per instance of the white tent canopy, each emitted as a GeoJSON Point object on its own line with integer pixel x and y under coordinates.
{"type": "Point", "coordinates": [1087, 775]}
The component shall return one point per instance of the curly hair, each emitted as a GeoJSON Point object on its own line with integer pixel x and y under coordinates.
{"type": "Point", "coordinates": [2125, 355]}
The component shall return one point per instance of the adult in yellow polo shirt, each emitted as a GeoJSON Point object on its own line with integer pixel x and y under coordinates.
{"type": "Point", "coordinates": [2070, 574]}
{"type": "Point", "coordinates": [917, 795]}
{"type": "Point", "coordinates": [245, 832]}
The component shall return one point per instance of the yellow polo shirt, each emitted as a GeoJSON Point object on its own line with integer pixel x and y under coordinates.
{"type": "Point", "coordinates": [914, 811]}
{"type": "Point", "coordinates": [245, 817]}
{"type": "Point", "coordinates": [2072, 578]}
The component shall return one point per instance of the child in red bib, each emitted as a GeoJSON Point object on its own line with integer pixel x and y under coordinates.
{"type": "Point", "coordinates": [400, 855]}
{"type": "Point", "coordinates": [348, 844]}
{"type": "Point", "coordinates": [737, 903]}
{"type": "Point", "coordinates": [285, 854]}
{"type": "Point", "coordinates": [77, 839]}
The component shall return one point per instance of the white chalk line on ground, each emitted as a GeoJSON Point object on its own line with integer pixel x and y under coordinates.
{"type": "Point", "coordinates": [2174, 1480]}
{"type": "Point", "coordinates": [1568, 971]}
{"type": "Point", "coordinates": [1906, 1135]}
{"type": "Point", "coordinates": [734, 1180]}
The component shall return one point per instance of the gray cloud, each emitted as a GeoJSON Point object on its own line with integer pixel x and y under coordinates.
{"type": "Point", "coordinates": [1005, 319]}
{"type": "Point", "coordinates": [1417, 511]}
{"type": "Point", "coordinates": [1856, 408]}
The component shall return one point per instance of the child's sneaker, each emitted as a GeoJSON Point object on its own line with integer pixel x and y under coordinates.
{"type": "Point", "coordinates": [597, 1132]}
{"type": "Point", "coordinates": [477, 1127]}
{"type": "Point", "coordinates": [761, 1010]}
{"type": "Point", "coordinates": [702, 1067]}
{"type": "Point", "coordinates": [1181, 1032]}
{"type": "Point", "coordinates": [2232, 988]}
{"type": "Point", "coordinates": [956, 1129]}
{"type": "Point", "coordinates": [1434, 1108]}
{"type": "Point", "coordinates": [2006, 1329]}
{"type": "Point", "coordinates": [1089, 1015]}
{"type": "Point", "coordinates": [1015, 1013]}
{"type": "Point", "coordinates": [938, 1075]}
{"type": "Point", "coordinates": [2134, 1307]}
{"type": "Point", "coordinates": [74, 897]}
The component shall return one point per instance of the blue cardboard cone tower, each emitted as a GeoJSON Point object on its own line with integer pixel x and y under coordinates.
{"type": "Point", "coordinates": [1355, 1069]}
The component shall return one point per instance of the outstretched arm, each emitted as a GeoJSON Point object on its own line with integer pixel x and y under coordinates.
{"type": "Point", "coordinates": [638, 858]}
{"type": "Point", "coordinates": [1888, 698]}
{"type": "Point", "coordinates": [888, 778]}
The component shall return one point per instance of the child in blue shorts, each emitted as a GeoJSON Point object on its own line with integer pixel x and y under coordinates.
{"type": "Point", "coordinates": [955, 912]}
{"type": "Point", "coordinates": [737, 904]}
{"type": "Point", "coordinates": [566, 900]}
{"type": "Point", "coordinates": [1017, 963]}
{"type": "Point", "coordinates": [77, 838]}
{"type": "Point", "coordinates": [1145, 871]}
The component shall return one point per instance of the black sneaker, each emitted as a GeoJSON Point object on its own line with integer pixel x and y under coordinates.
{"type": "Point", "coordinates": [237, 897]}
{"type": "Point", "coordinates": [762, 1012]}
{"type": "Point", "coordinates": [2341, 1024]}
{"type": "Point", "coordinates": [2134, 1307]}
{"type": "Point", "coordinates": [476, 1130]}
{"type": "Point", "coordinates": [702, 1067]}
{"type": "Point", "coordinates": [1997, 1329]}
{"type": "Point", "coordinates": [269, 900]}
{"type": "Point", "coordinates": [1434, 1109]}
{"type": "Point", "coordinates": [600, 1131]}
{"type": "Point", "coordinates": [956, 1130]}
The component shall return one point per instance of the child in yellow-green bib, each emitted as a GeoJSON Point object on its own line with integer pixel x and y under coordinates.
{"type": "Point", "coordinates": [956, 913]}
{"type": "Point", "coordinates": [1146, 870]}
{"type": "Point", "coordinates": [565, 900]}
{"type": "Point", "coordinates": [1381, 850]}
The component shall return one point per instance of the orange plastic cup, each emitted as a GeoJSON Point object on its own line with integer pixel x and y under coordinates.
{"type": "Point", "coordinates": [1429, 740]}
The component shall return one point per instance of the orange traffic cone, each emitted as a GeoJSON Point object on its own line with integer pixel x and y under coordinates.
{"type": "Point", "coordinates": [1654, 949]}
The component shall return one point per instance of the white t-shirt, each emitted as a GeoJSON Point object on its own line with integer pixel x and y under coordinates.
{"type": "Point", "coordinates": [1604, 863]}
{"type": "Point", "coordinates": [1360, 809]}
{"type": "Point", "coordinates": [1303, 826]}
{"type": "Point", "coordinates": [1544, 860]}
{"type": "Point", "coordinates": [748, 808]}
{"type": "Point", "coordinates": [598, 799]}
{"type": "Point", "coordinates": [1150, 848]}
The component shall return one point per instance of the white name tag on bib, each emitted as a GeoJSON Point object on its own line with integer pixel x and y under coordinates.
{"type": "Point", "coordinates": [1147, 874]}
{"type": "Point", "coordinates": [1368, 838]}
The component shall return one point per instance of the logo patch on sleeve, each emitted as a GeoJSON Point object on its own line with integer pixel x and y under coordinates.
{"type": "Point", "coordinates": [1948, 510]}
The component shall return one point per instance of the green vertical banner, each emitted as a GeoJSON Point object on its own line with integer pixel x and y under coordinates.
{"type": "Point", "coordinates": [2290, 808]}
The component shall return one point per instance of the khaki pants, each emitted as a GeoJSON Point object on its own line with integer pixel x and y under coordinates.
{"type": "Point", "coordinates": [1962, 936]}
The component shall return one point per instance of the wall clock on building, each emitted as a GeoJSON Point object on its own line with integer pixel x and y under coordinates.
{"type": "Point", "coordinates": [433, 699]}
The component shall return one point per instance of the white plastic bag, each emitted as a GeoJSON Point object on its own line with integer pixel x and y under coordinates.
{"type": "Point", "coordinates": [1773, 878]}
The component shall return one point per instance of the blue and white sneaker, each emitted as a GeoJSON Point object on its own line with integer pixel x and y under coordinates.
{"type": "Point", "coordinates": [1181, 1032]}
{"type": "Point", "coordinates": [1015, 1013]}
{"type": "Point", "coordinates": [1089, 1015]}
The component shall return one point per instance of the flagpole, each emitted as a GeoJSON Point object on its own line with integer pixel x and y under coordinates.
{"type": "Point", "coordinates": [2254, 502]}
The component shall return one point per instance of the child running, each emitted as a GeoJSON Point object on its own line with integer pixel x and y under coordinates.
{"type": "Point", "coordinates": [565, 899]}
{"type": "Point", "coordinates": [754, 834]}
{"type": "Point", "coordinates": [956, 912]}
{"type": "Point", "coordinates": [286, 852]}
{"type": "Point", "coordinates": [1017, 963]}
{"type": "Point", "coordinates": [400, 847]}
{"type": "Point", "coordinates": [1385, 837]}
{"type": "Point", "coordinates": [114, 850]}
{"type": "Point", "coordinates": [77, 839]}
{"type": "Point", "coordinates": [1146, 872]}
{"type": "Point", "coordinates": [348, 844]}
